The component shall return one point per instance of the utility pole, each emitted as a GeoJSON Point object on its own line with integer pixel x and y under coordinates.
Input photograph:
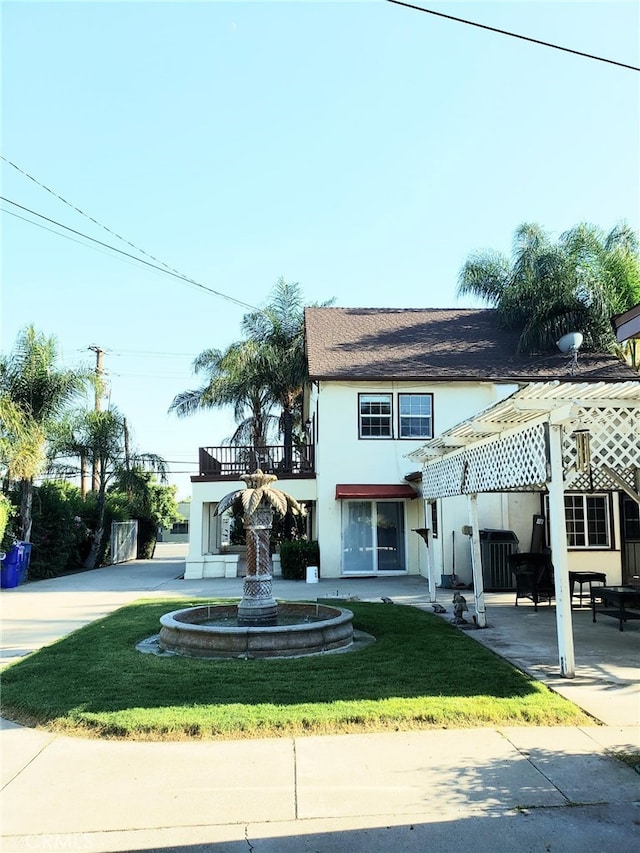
{"type": "Point", "coordinates": [127, 458]}
{"type": "Point", "coordinates": [99, 372]}
{"type": "Point", "coordinates": [95, 482]}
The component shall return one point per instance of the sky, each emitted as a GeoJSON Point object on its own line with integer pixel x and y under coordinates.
{"type": "Point", "coordinates": [362, 149]}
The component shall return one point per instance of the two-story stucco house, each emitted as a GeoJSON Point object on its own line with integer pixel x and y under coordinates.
{"type": "Point", "coordinates": [383, 384]}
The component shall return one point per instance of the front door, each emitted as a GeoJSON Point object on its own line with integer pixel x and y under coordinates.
{"type": "Point", "coordinates": [630, 516]}
{"type": "Point", "coordinates": [373, 538]}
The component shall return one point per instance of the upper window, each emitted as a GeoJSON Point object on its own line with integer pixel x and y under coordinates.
{"type": "Point", "coordinates": [587, 521]}
{"type": "Point", "coordinates": [375, 415]}
{"type": "Point", "coordinates": [415, 415]}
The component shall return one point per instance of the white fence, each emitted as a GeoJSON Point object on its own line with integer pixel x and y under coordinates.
{"type": "Point", "coordinates": [124, 541]}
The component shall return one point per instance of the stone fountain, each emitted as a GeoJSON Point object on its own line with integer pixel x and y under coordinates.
{"type": "Point", "coordinates": [257, 626]}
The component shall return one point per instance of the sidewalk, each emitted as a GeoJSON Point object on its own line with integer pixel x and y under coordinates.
{"type": "Point", "coordinates": [551, 789]}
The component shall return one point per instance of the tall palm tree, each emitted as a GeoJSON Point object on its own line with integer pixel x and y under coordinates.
{"type": "Point", "coordinates": [278, 331]}
{"type": "Point", "coordinates": [267, 369]}
{"type": "Point", "coordinates": [32, 381]}
{"type": "Point", "coordinates": [235, 378]}
{"type": "Point", "coordinates": [548, 289]}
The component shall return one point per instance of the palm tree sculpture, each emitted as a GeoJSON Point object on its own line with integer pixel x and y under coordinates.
{"type": "Point", "coordinates": [258, 502]}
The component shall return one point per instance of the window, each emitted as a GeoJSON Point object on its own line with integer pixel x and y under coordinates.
{"type": "Point", "coordinates": [416, 415]}
{"type": "Point", "coordinates": [180, 527]}
{"type": "Point", "coordinates": [375, 411]}
{"type": "Point", "coordinates": [587, 521]}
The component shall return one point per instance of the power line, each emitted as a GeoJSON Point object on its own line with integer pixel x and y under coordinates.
{"type": "Point", "coordinates": [127, 352]}
{"type": "Point", "coordinates": [514, 35]}
{"type": "Point", "coordinates": [87, 216]}
{"type": "Point", "coordinates": [166, 271]}
{"type": "Point", "coordinates": [65, 236]}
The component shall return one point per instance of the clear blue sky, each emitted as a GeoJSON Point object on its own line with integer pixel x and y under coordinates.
{"type": "Point", "coordinates": [361, 149]}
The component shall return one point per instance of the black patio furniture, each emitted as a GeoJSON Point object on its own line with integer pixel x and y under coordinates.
{"type": "Point", "coordinates": [619, 597]}
{"type": "Point", "coordinates": [533, 574]}
{"type": "Point", "coordinates": [582, 578]}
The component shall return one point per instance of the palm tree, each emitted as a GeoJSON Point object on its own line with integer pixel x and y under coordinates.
{"type": "Point", "coordinates": [266, 369]}
{"type": "Point", "coordinates": [548, 289]}
{"type": "Point", "coordinates": [22, 443]}
{"type": "Point", "coordinates": [39, 392]}
{"type": "Point", "coordinates": [101, 438]}
{"type": "Point", "coordinates": [235, 378]}
{"type": "Point", "coordinates": [278, 330]}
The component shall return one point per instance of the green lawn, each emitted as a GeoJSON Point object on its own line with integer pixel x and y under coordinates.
{"type": "Point", "coordinates": [420, 673]}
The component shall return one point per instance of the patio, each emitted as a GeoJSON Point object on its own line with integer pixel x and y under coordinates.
{"type": "Point", "coordinates": [607, 676]}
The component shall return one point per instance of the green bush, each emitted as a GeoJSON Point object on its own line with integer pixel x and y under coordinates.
{"type": "Point", "coordinates": [295, 556]}
{"type": "Point", "coordinates": [147, 538]}
{"type": "Point", "coordinates": [8, 521]}
{"type": "Point", "coordinates": [58, 531]}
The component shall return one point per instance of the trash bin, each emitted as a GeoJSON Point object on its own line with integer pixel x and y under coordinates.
{"type": "Point", "coordinates": [495, 547]}
{"type": "Point", "coordinates": [25, 559]}
{"type": "Point", "coordinates": [312, 574]}
{"type": "Point", "coordinates": [10, 568]}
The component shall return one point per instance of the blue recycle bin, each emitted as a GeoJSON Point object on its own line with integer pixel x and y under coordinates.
{"type": "Point", "coordinates": [15, 565]}
{"type": "Point", "coordinates": [10, 568]}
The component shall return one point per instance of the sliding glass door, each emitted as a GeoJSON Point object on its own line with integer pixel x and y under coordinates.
{"type": "Point", "coordinates": [373, 537]}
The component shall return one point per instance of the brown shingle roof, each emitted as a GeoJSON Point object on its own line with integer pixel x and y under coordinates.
{"type": "Point", "coordinates": [435, 344]}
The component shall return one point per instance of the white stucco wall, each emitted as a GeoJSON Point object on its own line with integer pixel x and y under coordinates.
{"type": "Point", "coordinates": [341, 457]}
{"type": "Point", "coordinates": [204, 559]}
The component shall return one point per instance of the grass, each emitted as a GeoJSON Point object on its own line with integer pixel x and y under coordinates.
{"type": "Point", "coordinates": [420, 673]}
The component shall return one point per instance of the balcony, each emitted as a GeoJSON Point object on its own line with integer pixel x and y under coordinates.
{"type": "Point", "coordinates": [228, 463]}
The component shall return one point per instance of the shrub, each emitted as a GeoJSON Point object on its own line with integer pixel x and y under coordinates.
{"type": "Point", "coordinates": [8, 515]}
{"type": "Point", "coordinates": [147, 538]}
{"type": "Point", "coordinates": [295, 556]}
{"type": "Point", "coordinates": [58, 532]}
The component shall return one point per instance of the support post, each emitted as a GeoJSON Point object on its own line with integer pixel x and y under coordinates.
{"type": "Point", "coordinates": [431, 563]}
{"type": "Point", "coordinates": [476, 563]}
{"type": "Point", "coordinates": [558, 539]}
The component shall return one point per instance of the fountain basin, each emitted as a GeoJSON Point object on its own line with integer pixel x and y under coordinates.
{"type": "Point", "coordinates": [211, 631]}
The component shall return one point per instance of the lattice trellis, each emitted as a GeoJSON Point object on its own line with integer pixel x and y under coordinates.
{"type": "Point", "coordinates": [516, 461]}
{"type": "Point", "coordinates": [614, 442]}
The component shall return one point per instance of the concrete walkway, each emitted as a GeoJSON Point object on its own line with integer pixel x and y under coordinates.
{"type": "Point", "coordinates": [530, 789]}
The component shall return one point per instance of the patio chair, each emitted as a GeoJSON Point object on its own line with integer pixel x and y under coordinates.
{"type": "Point", "coordinates": [533, 574]}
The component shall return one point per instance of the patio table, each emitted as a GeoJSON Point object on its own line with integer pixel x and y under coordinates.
{"type": "Point", "coordinates": [616, 595]}
{"type": "Point", "coordinates": [582, 578]}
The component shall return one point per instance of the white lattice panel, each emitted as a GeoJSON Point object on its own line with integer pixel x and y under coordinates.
{"type": "Point", "coordinates": [615, 442]}
{"type": "Point", "coordinates": [442, 479]}
{"type": "Point", "coordinates": [516, 461]}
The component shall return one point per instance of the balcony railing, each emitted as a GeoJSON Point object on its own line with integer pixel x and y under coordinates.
{"type": "Point", "coordinates": [228, 463]}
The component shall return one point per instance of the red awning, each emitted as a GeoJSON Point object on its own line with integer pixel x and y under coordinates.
{"type": "Point", "coordinates": [355, 491]}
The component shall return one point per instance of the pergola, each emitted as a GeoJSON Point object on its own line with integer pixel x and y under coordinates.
{"type": "Point", "coordinates": [547, 436]}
